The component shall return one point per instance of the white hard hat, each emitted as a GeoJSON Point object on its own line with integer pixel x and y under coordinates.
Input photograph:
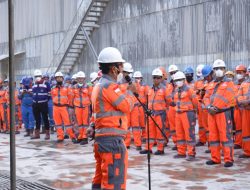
{"type": "Point", "coordinates": [199, 69]}
{"type": "Point", "coordinates": [38, 72]}
{"type": "Point", "coordinates": [219, 63]}
{"type": "Point", "coordinates": [59, 74]}
{"type": "Point", "coordinates": [93, 76]}
{"type": "Point", "coordinates": [74, 76]}
{"type": "Point", "coordinates": [179, 75]}
{"type": "Point", "coordinates": [80, 74]}
{"type": "Point", "coordinates": [172, 68]}
{"type": "Point", "coordinates": [157, 72]}
{"type": "Point", "coordinates": [110, 55]}
{"type": "Point", "coordinates": [128, 67]}
{"type": "Point", "coordinates": [137, 74]}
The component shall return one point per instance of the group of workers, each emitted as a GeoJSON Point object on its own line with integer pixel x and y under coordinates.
{"type": "Point", "coordinates": [111, 109]}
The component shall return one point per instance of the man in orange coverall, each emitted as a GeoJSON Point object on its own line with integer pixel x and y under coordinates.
{"type": "Point", "coordinates": [62, 98]}
{"type": "Point", "coordinates": [123, 84]}
{"type": "Point", "coordinates": [3, 107]}
{"type": "Point", "coordinates": [82, 102]}
{"type": "Point", "coordinates": [185, 120]}
{"type": "Point", "coordinates": [137, 115]}
{"type": "Point", "coordinates": [220, 118]}
{"type": "Point", "coordinates": [243, 100]}
{"type": "Point", "coordinates": [198, 86]}
{"type": "Point", "coordinates": [172, 69]}
{"type": "Point", "coordinates": [240, 77]}
{"type": "Point", "coordinates": [110, 107]}
{"type": "Point", "coordinates": [157, 103]}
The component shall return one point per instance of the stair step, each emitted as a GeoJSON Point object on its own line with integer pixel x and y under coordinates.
{"type": "Point", "coordinates": [93, 14]}
{"type": "Point", "coordinates": [91, 25]}
{"type": "Point", "coordinates": [99, 4]}
{"type": "Point", "coordinates": [92, 19]}
{"type": "Point", "coordinates": [103, 1]}
{"type": "Point", "coordinates": [96, 9]}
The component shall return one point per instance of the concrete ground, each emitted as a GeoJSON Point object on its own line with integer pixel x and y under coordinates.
{"type": "Point", "coordinates": [71, 167]}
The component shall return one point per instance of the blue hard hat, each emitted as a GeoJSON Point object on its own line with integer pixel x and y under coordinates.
{"type": "Point", "coordinates": [67, 78]}
{"type": "Point", "coordinates": [206, 70]}
{"type": "Point", "coordinates": [189, 70]}
{"type": "Point", "coordinates": [26, 81]}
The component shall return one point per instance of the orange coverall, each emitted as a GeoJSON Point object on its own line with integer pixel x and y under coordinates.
{"type": "Point", "coordinates": [110, 108]}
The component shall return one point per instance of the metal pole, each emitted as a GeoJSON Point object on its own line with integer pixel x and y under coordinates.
{"type": "Point", "coordinates": [89, 42]}
{"type": "Point", "coordinates": [12, 96]}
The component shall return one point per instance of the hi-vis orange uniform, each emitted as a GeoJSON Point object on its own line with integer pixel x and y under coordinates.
{"type": "Point", "coordinates": [3, 107]}
{"type": "Point", "coordinates": [137, 117]}
{"type": "Point", "coordinates": [244, 97]}
{"type": "Point", "coordinates": [123, 87]}
{"type": "Point", "coordinates": [171, 112]}
{"type": "Point", "coordinates": [62, 98]}
{"type": "Point", "coordinates": [185, 119]}
{"type": "Point", "coordinates": [220, 94]}
{"type": "Point", "coordinates": [157, 102]}
{"type": "Point", "coordinates": [238, 118]}
{"type": "Point", "coordinates": [110, 109]}
{"type": "Point", "coordinates": [82, 102]}
{"type": "Point", "coordinates": [199, 84]}
{"type": "Point", "coordinates": [18, 111]}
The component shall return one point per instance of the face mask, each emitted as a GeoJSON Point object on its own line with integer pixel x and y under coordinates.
{"type": "Point", "coordinates": [59, 82]}
{"type": "Point", "coordinates": [230, 79]}
{"type": "Point", "coordinates": [189, 78]}
{"type": "Point", "coordinates": [239, 76]}
{"type": "Point", "coordinates": [219, 73]}
{"type": "Point", "coordinates": [38, 79]}
{"type": "Point", "coordinates": [179, 83]}
{"type": "Point", "coordinates": [80, 84]}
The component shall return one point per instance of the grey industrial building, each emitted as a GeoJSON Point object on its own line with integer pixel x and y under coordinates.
{"type": "Point", "coordinates": [149, 33]}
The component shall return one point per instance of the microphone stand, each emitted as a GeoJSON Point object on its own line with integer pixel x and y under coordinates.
{"type": "Point", "coordinates": [148, 113]}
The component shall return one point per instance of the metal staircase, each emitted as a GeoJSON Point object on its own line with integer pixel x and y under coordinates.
{"type": "Point", "coordinates": [77, 38]}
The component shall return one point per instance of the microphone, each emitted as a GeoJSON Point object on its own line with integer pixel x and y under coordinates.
{"type": "Point", "coordinates": [129, 80]}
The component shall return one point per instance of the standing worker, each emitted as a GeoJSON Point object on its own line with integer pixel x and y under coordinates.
{"type": "Point", "coordinates": [41, 93]}
{"type": "Point", "coordinates": [3, 106]}
{"type": "Point", "coordinates": [158, 104]}
{"type": "Point", "coordinates": [185, 120]}
{"type": "Point", "coordinates": [172, 69]}
{"type": "Point", "coordinates": [62, 99]}
{"type": "Point", "coordinates": [82, 102]}
{"type": "Point", "coordinates": [220, 119]}
{"type": "Point", "coordinates": [110, 107]}
{"type": "Point", "coordinates": [240, 78]}
{"type": "Point", "coordinates": [243, 100]}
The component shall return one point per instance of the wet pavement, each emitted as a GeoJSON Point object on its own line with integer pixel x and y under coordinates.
{"type": "Point", "coordinates": [71, 167]}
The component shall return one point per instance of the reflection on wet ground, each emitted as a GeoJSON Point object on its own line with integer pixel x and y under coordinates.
{"type": "Point", "coordinates": [68, 166]}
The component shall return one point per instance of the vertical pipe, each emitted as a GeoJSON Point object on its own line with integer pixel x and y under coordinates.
{"type": "Point", "coordinates": [12, 96]}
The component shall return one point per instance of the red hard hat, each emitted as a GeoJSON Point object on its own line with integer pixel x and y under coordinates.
{"type": "Point", "coordinates": [240, 68]}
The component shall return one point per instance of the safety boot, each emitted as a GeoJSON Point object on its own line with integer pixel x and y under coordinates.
{"type": "Point", "coordinates": [145, 151]}
{"type": "Point", "coordinates": [207, 151]}
{"type": "Point", "coordinates": [174, 148]}
{"type": "Point", "coordinates": [66, 136]}
{"type": "Point", "coordinates": [244, 156]}
{"type": "Point", "coordinates": [27, 133]}
{"type": "Point", "coordinates": [159, 152]}
{"type": "Point", "coordinates": [211, 162]}
{"type": "Point", "coordinates": [43, 130]}
{"type": "Point", "coordinates": [236, 146]}
{"type": "Point", "coordinates": [47, 135]}
{"type": "Point", "coordinates": [84, 141]}
{"type": "Point", "coordinates": [59, 140]}
{"type": "Point", "coordinates": [190, 158]}
{"type": "Point", "coordinates": [228, 164]}
{"type": "Point", "coordinates": [36, 135]}
{"type": "Point", "coordinates": [180, 156]}
{"type": "Point", "coordinates": [138, 148]}
{"type": "Point", "coordinates": [200, 144]}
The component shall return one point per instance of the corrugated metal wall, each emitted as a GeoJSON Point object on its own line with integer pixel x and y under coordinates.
{"type": "Point", "coordinates": [183, 32]}
{"type": "Point", "coordinates": [39, 29]}
{"type": "Point", "coordinates": [149, 33]}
